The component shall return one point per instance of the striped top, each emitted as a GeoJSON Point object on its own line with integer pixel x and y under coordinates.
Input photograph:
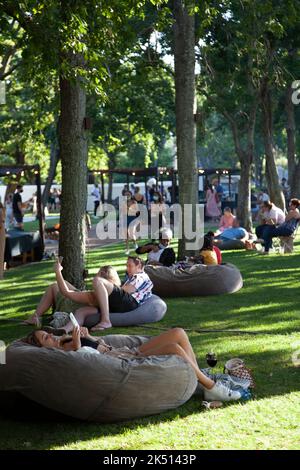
{"type": "Point", "coordinates": [143, 285]}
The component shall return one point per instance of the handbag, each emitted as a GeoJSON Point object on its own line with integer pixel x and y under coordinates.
{"type": "Point", "coordinates": [236, 367]}
{"type": "Point", "coordinates": [60, 319]}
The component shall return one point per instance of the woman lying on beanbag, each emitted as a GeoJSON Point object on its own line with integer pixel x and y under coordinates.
{"type": "Point", "coordinates": [174, 341]}
{"type": "Point", "coordinates": [53, 298]}
{"type": "Point", "coordinates": [109, 297]}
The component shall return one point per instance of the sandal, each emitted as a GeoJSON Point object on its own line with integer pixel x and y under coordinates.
{"type": "Point", "coordinates": [99, 327]}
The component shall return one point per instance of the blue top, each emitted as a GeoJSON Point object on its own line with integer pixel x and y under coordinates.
{"type": "Point", "coordinates": [233, 233]}
{"type": "Point", "coordinates": [219, 189]}
{"type": "Point", "coordinates": [290, 224]}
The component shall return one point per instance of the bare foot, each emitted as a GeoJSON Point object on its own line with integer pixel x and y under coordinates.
{"type": "Point", "coordinates": [101, 326]}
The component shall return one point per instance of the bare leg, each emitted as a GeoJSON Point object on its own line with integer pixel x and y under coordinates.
{"type": "Point", "coordinates": [80, 315]}
{"type": "Point", "coordinates": [47, 300]}
{"type": "Point", "coordinates": [82, 297]}
{"type": "Point", "coordinates": [175, 348]}
{"type": "Point", "coordinates": [175, 335]}
{"type": "Point", "coordinates": [102, 289]}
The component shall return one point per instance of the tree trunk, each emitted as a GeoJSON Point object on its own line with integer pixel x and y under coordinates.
{"type": "Point", "coordinates": [244, 192]}
{"type": "Point", "coordinates": [293, 164]}
{"type": "Point", "coordinates": [111, 166]}
{"type": "Point", "coordinates": [184, 54]}
{"type": "Point", "coordinates": [73, 153]}
{"type": "Point", "coordinates": [246, 159]}
{"type": "Point", "coordinates": [274, 189]}
{"type": "Point", "coordinates": [19, 157]}
{"type": "Point", "coordinates": [295, 182]}
{"type": "Point", "coordinates": [54, 158]}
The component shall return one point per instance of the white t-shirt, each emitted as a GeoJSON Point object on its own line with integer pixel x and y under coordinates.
{"type": "Point", "coordinates": [142, 284]}
{"type": "Point", "coordinates": [96, 194]}
{"type": "Point", "coordinates": [155, 255]}
{"type": "Point", "coordinates": [275, 214]}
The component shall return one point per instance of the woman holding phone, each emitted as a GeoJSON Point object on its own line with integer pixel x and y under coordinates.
{"type": "Point", "coordinates": [174, 341]}
{"type": "Point", "coordinates": [53, 298]}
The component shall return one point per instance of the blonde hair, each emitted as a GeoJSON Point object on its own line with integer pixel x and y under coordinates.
{"type": "Point", "coordinates": [110, 273]}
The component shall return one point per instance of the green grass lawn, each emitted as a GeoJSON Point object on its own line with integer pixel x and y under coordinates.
{"type": "Point", "coordinates": [268, 304]}
{"type": "Point", "coordinates": [31, 226]}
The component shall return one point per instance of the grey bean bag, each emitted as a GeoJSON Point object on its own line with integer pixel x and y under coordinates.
{"type": "Point", "coordinates": [95, 387]}
{"type": "Point", "coordinates": [150, 311]}
{"type": "Point", "coordinates": [198, 280]}
{"type": "Point", "coordinates": [231, 245]}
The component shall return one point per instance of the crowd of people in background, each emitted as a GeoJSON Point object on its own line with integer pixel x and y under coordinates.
{"type": "Point", "coordinates": [271, 221]}
{"type": "Point", "coordinates": [54, 200]}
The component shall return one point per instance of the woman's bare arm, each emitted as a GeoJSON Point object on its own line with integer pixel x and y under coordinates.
{"type": "Point", "coordinates": [85, 297]}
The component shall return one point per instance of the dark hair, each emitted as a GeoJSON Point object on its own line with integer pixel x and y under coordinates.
{"type": "Point", "coordinates": [157, 193]}
{"type": "Point", "coordinates": [20, 186]}
{"type": "Point", "coordinates": [227, 209]}
{"type": "Point", "coordinates": [33, 340]}
{"type": "Point", "coordinates": [267, 204]}
{"type": "Point", "coordinates": [295, 202]}
{"type": "Point", "coordinates": [207, 243]}
{"type": "Point", "coordinates": [210, 234]}
{"type": "Point", "coordinates": [137, 260]}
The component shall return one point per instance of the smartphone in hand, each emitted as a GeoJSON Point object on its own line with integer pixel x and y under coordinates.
{"type": "Point", "coordinates": [74, 321]}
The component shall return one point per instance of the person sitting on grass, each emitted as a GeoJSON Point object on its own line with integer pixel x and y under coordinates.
{"type": "Point", "coordinates": [107, 296]}
{"type": "Point", "coordinates": [234, 233]}
{"type": "Point", "coordinates": [226, 220]}
{"type": "Point", "coordinates": [172, 342]}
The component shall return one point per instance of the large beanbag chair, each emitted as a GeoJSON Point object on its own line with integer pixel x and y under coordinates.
{"type": "Point", "coordinates": [198, 280]}
{"type": "Point", "coordinates": [231, 245]}
{"type": "Point", "coordinates": [95, 387]}
{"type": "Point", "coordinates": [150, 311]}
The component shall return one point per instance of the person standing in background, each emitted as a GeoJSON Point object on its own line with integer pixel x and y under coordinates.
{"type": "Point", "coordinates": [96, 194]}
{"type": "Point", "coordinates": [18, 207]}
{"type": "Point", "coordinates": [211, 207]}
{"type": "Point", "coordinates": [9, 211]}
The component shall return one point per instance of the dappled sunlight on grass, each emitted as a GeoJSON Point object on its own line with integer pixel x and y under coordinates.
{"type": "Point", "coordinates": [268, 304]}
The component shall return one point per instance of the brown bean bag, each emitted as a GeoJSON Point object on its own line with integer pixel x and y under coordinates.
{"type": "Point", "coordinates": [95, 387]}
{"type": "Point", "coordinates": [199, 280]}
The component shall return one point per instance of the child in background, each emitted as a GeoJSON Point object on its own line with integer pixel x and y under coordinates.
{"type": "Point", "coordinates": [226, 219]}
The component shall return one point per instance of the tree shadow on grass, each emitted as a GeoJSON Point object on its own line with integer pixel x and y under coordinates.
{"type": "Point", "coordinates": [28, 425]}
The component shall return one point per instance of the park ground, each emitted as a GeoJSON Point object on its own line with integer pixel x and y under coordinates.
{"type": "Point", "coordinates": [266, 310]}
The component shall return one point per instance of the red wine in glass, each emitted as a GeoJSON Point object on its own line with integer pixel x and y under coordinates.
{"type": "Point", "coordinates": [211, 359]}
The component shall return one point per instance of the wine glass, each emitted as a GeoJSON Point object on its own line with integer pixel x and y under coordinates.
{"type": "Point", "coordinates": [211, 359]}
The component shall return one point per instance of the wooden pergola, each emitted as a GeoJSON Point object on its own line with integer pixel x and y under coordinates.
{"type": "Point", "coordinates": [160, 173]}
{"type": "Point", "coordinates": [143, 173]}
{"type": "Point", "coordinates": [12, 171]}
